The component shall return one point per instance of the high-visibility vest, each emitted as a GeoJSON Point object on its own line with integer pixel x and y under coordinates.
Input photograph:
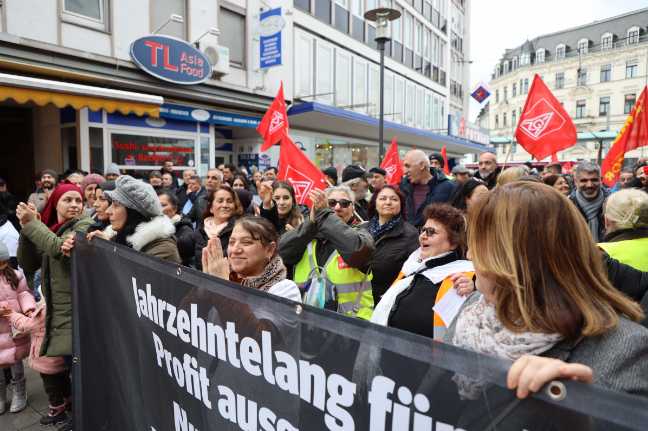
{"type": "Point", "coordinates": [348, 281]}
{"type": "Point", "coordinates": [439, 324]}
{"type": "Point", "coordinates": [633, 252]}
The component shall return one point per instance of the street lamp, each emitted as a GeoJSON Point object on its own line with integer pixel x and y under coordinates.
{"type": "Point", "coordinates": [381, 17]}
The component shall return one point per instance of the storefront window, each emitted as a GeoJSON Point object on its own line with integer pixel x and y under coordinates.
{"type": "Point", "coordinates": [69, 148]}
{"type": "Point", "coordinates": [96, 151]}
{"type": "Point", "coordinates": [204, 155]}
{"type": "Point", "coordinates": [339, 154]}
{"type": "Point", "coordinates": [135, 150]}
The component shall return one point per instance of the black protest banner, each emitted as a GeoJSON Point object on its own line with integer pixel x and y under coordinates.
{"type": "Point", "coordinates": [162, 347]}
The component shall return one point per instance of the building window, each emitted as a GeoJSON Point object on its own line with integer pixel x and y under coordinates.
{"type": "Point", "coordinates": [582, 48]}
{"type": "Point", "coordinates": [606, 73]}
{"type": "Point", "coordinates": [435, 49]}
{"type": "Point", "coordinates": [560, 53]}
{"type": "Point", "coordinates": [419, 107]}
{"type": "Point", "coordinates": [580, 109]}
{"type": "Point", "coordinates": [630, 101]}
{"type": "Point", "coordinates": [504, 122]}
{"type": "Point", "coordinates": [607, 42]}
{"type": "Point", "coordinates": [305, 65]}
{"type": "Point", "coordinates": [582, 77]}
{"type": "Point", "coordinates": [506, 93]}
{"type": "Point", "coordinates": [426, 45]}
{"type": "Point", "coordinates": [442, 55]}
{"type": "Point", "coordinates": [435, 114]}
{"type": "Point", "coordinates": [604, 107]}
{"type": "Point", "coordinates": [358, 8]}
{"type": "Point", "coordinates": [409, 104]}
{"type": "Point", "coordinates": [633, 37]}
{"type": "Point", "coordinates": [540, 56]}
{"type": "Point", "coordinates": [232, 27]}
{"type": "Point", "coordinates": [92, 13]}
{"type": "Point", "coordinates": [514, 90]}
{"type": "Point", "coordinates": [515, 63]}
{"type": "Point", "coordinates": [374, 91]}
{"type": "Point", "coordinates": [388, 95]}
{"type": "Point", "coordinates": [343, 80]}
{"type": "Point", "coordinates": [631, 69]}
{"type": "Point", "coordinates": [506, 67]}
{"type": "Point", "coordinates": [560, 80]}
{"type": "Point", "coordinates": [360, 83]}
{"type": "Point", "coordinates": [408, 31]}
{"type": "Point", "coordinates": [525, 59]}
{"type": "Point", "coordinates": [513, 118]}
{"type": "Point", "coordinates": [324, 59]}
{"type": "Point", "coordinates": [526, 85]}
{"type": "Point", "coordinates": [428, 111]}
{"type": "Point", "coordinates": [398, 102]}
{"type": "Point", "coordinates": [417, 38]}
{"type": "Point", "coordinates": [496, 96]}
{"type": "Point", "coordinates": [397, 26]}
{"type": "Point", "coordinates": [497, 121]}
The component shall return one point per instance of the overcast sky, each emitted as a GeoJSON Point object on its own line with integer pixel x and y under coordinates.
{"type": "Point", "coordinates": [500, 24]}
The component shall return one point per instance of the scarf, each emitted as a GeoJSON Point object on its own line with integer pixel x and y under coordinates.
{"type": "Point", "coordinates": [212, 229]}
{"type": "Point", "coordinates": [274, 272]}
{"type": "Point", "coordinates": [49, 216]}
{"type": "Point", "coordinates": [376, 230]}
{"type": "Point", "coordinates": [591, 209]}
{"type": "Point", "coordinates": [478, 329]}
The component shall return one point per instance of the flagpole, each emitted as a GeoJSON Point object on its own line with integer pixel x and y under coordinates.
{"type": "Point", "coordinates": [354, 211]}
{"type": "Point", "coordinates": [508, 152]}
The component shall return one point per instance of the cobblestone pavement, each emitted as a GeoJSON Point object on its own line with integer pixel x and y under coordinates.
{"type": "Point", "coordinates": [37, 406]}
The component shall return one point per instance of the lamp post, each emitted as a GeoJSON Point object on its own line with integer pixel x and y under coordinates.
{"type": "Point", "coordinates": [382, 17]}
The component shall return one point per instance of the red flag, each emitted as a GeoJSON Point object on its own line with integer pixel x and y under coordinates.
{"type": "Point", "coordinates": [446, 169]}
{"type": "Point", "coordinates": [554, 158]}
{"type": "Point", "coordinates": [299, 170]}
{"type": "Point", "coordinates": [275, 122]}
{"type": "Point", "coordinates": [392, 164]}
{"type": "Point", "coordinates": [567, 167]}
{"type": "Point", "coordinates": [633, 134]}
{"type": "Point", "coordinates": [545, 127]}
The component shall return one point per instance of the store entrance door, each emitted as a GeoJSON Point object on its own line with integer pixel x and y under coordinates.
{"type": "Point", "coordinates": [16, 150]}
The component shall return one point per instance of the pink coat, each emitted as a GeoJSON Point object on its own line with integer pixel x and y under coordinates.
{"type": "Point", "coordinates": [12, 349]}
{"type": "Point", "coordinates": [36, 325]}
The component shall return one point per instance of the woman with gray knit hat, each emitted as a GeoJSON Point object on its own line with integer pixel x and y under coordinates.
{"type": "Point", "coordinates": [137, 221]}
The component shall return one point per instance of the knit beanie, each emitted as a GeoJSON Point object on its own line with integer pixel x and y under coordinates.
{"type": "Point", "coordinates": [438, 157]}
{"type": "Point", "coordinates": [91, 179]}
{"type": "Point", "coordinates": [136, 195]}
{"type": "Point", "coordinates": [50, 172]}
{"type": "Point", "coordinates": [4, 252]}
{"type": "Point", "coordinates": [112, 169]}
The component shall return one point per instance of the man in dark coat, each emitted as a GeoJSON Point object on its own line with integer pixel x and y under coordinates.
{"type": "Point", "coordinates": [589, 196]}
{"type": "Point", "coordinates": [488, 169]}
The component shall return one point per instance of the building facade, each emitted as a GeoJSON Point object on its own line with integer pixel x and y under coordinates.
{"type": "Point", "coordinates": [595, 71]}
{"type": "Point", "coordinates": [72, 96]}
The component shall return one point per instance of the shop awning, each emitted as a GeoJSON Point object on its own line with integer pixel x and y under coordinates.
{"type": "Point", "coordinates": [329, 120]}
{"type": "Point", "coordinates": [42, 91]}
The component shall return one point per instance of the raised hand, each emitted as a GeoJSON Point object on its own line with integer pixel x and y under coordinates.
{"type": "Point", "coordinates": [265, 193]}
{"type": "Point", "coordinates": [26, 213]}
{"type": "Point", "coordinates": [213, 261]}
{"type": "Point", "coordinates": [318, 200]}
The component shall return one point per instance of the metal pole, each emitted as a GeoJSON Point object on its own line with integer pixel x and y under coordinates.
{"type": "Point", "coordinates": [381, 150]}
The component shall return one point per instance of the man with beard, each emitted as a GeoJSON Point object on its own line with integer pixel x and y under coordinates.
{"type": "Point", "coordinates": [181, 192]}
{"type": "Point", "coordinates": [588, 196]}
{"type": "Point", "coordinates": [49, 178]}
{"type": "Point", "coordinates": [488, 169]}
{"type": "Point", "coordinates": [167, 167]}
{"type": "Point", "coordinates": [355, 178]}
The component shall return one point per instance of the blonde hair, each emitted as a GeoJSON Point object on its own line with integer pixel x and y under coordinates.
{"type": "Point", "coordinates": [627, 209]}
{"type": "Point", "coordinates": [511, 174]}
{"type": "Point", "coordinates": [548, 276]}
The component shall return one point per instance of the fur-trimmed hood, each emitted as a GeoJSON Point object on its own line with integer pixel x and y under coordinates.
{"type": "Point", "coordinates": [158, 228]}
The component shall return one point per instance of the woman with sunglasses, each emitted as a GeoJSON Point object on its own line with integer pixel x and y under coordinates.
{"type": "Point", "coordinates": [428, 274]}
{"type": "Point", "coordinates": [330, 239]}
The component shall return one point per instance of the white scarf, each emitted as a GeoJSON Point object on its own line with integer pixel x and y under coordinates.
{"type": "Point", "coordinates": [479, 329]}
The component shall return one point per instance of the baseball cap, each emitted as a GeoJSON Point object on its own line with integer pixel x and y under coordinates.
{"type": "Point", "coordinates": [354, 171]}
{"type": "Point", "coordinates": [155, 174]}
{"type": "Point", "coordinates": [460, 169]}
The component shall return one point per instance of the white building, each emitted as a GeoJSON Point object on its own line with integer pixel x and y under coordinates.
{"type": "Point", "coordinates": [592, 70]}
{"type": "Point", "coordinates": [72, 96]}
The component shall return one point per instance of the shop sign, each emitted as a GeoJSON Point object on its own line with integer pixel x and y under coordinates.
{"type": "Point", "coordinates": [135, 150]}
{"type": "Point", "coordinates": [249, 162]}
{"type": "Point", "coordinates": [264, 162]}
{"type": "Point", "coordinates": [460, 128]}
{"type": "Point", "coordinates": [270, 38]}
{"type": "Point", "coordinates": [171, 59]}
{"type": "Point", "coordinates": [188, 113]}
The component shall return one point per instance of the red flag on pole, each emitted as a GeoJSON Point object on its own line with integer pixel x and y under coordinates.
{"type": "Point", "coordinates": [446, 168]}
{"type": "Point", "coordinates": [299, 170]}
{"type": "Point", "coordinates": [554, 158]}
{"type": "Point", "coordinates": [274, 122]}
{"type": "Point", "coordinates": [392, 164]}
{"type": "Point", "coordinates": [567, 167]}
{"type": "Point", "coordinates": [545, 127]}
{"type": "Point", "coordinates": [633, 134]}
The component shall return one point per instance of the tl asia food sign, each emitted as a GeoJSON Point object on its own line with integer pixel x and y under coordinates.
{"type": "Point", "coordinates": [171, 59]}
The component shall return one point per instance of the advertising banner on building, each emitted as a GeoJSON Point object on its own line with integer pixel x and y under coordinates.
{"type": "Point", "coordinates": [140, 150]}
{"type": "Point", "coordinates": [163, 347]}
{"type": "Point", "coordinates": [270, 38]}
{"type": "Point", "coordinates": [459, 127]}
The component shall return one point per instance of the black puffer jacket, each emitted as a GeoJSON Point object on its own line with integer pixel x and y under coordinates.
{"type": "Point", "coordinates": [184, 228]}
{"type": "Point", "coordinates": [192, 245]}
{"type": "Point", "coordinates": [195, 214]}
{"type": "Point", "coordinates": [491, 182]}
{"type": "Point", "coordinates": [392, 250]}
{"type": "Point", "coordinates": [272, 215]}
{"type": "Point", "coordinates": [628, 280]}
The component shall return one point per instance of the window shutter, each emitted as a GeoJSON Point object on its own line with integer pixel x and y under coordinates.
{"type": "Point", "coordinates": [162, 10]}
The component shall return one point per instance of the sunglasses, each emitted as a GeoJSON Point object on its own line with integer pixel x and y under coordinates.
{"type": "Point", "coordinates": [428, 231]}
{"type": "Point", "coordinates": [344, 203]}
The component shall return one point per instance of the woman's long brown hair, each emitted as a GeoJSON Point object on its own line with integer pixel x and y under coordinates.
{"type": "Point", "coordinates": [548, 273]}
{"type": "Point", "coordinates": [10, 275]}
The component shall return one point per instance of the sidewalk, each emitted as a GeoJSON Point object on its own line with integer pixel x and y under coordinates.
{"type": "Point", "coordinates": [37, 406]}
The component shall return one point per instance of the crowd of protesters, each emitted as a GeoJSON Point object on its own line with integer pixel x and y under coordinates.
{"type": "Point", "coordinates": [555, 261]}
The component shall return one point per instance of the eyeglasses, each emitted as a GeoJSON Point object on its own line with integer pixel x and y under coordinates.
{"type": "Point", "coordinates": [344, 203]}
{"type": "Point", "coordinates": [428, 231]}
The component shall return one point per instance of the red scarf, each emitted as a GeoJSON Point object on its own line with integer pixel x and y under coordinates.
{"type": "Point", "coordinates": [49, 216]}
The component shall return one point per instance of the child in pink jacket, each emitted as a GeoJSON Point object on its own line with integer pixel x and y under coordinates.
{"type": "Point", "coordinates": [53, 371]}
{"type": "Point", "coordinates": [14, 293]}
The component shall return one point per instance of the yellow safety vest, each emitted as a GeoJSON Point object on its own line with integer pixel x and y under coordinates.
{"type": "Point", "coordinates": [633, 252]}
{"type": "Point", "coordinates": [348, 281]}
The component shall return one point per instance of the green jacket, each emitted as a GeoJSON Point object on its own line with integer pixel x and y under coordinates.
{"type": "Point", "coordinates": [40, 248]}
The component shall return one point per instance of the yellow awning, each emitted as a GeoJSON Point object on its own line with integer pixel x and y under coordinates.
{"type": "Point", "coordinates": [61, 100]}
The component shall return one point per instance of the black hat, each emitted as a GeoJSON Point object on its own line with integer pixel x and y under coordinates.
{"type": "Point", "coordinates": [353, 171]}
{"type": "Point", "coordinates": [331, 172]}
{"type": "Point", "coordinates": [528, 164]}
{"type": "Point", "coordinates": [380, 171]}
{"type": "Point", "coordinates": [438, 157]}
